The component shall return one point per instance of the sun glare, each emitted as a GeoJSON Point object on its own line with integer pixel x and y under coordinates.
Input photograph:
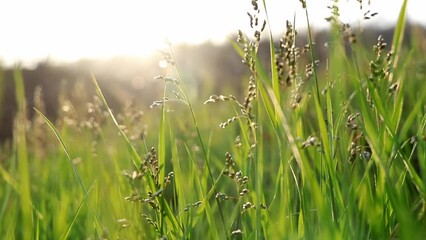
{"type": "Point", "coordinates": [75, 29]}
{"type": "Point", "coordinates": [70, 30]}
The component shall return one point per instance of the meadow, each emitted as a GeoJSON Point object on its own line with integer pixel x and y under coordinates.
{"type": "Point", "coordinates": [330, 148]}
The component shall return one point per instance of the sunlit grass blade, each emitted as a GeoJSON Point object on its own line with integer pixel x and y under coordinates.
{"type": "Point", "coordinates": [13, 184]}
{"type": "Point", "coordinates": [398, 36]}
{"type": "Point", "coordinates": [65, 148]}
{"type": "Point", "coordinates": [274, 71]}
{"type": "Point", "coordinates": [6, 194]}
{"type": "Point", "coordinates": [74, 219]}
{"type": "Point", "coordinates": [413, 114]}
{"type": "Point", "coordinates": [22, 156]}
{"type": "Point", "coordinates": [399, 96]}
{"type": "Point", "coordinates": [206, 196]}
{"type": "Point", "coordinates": [74, 168]}
{"type": "Point", "coordinates": [136, 160]}
{"type": "Point", "coordinates": [408, 162]}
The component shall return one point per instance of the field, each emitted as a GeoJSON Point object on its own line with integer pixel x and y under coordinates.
{"type": "Point", "coordinates": [330, 148]}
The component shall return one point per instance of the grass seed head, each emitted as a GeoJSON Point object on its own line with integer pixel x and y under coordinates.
{"type": "Point", "coordinates": [310, 141]}
{"type": "Point", "coordinates": [248, 205]}
{"type": "Point", "coordinates": [229, 121]}
{"type": "Point", "coordinates": [221, 196]}
{"type": "Point", "coordinates": [393, 88]}
{"type": "Point", "coordinates": [168, 179]}
{"type": "Point", "coordinates": [368, 15]}
{"type": "Point", "coordinates": [350, 121]}
{"type": "Point", "coordinates": [303, 2]}
{"type": "Point", "coordinates": [414, 139]}
{"type": "Point", "coordinates": [286, 56]}
{"type": "Point", "coordinates": [244, 191]}
{"type": "Point", "coordinates": [237, 232]}
{"type": "Point", "coordinates": [255, 5]}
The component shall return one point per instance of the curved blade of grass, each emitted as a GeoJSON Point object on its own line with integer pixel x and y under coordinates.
{"type": "Point", "coordinates": [75, 170]}
{"type": "Point", "coordinates": [61, 141]}
{"type": "Point", "coordinates": [65, 235]}
{"type": "Point", "coordinates": [134, 154]}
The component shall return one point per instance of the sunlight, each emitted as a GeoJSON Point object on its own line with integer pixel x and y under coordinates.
{"type": "Point", "coordinates": [71, 30]}
{"type": "Point", "coordinates": [61, 30]}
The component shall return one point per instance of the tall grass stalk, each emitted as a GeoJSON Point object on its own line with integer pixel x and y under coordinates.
{"type": "Point", "coordinates": [212, 187]}
{"type": "Point", "coordinates": [20, 144]}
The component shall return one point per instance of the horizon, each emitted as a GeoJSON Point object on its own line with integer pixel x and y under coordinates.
{"type": "Point", "coordinates": [67, 32]}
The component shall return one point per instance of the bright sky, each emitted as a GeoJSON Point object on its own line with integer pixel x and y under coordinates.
{"type": "Point", "coordinates": [70, 30]}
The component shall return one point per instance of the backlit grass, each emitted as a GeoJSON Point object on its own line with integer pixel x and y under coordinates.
{"type": "Point", "coordinates": [330, 149]}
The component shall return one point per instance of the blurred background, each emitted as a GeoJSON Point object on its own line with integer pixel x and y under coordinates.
{"type": "Point", "coordinates": [58, 44]}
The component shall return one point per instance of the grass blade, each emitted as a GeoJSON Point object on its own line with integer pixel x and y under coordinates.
{"type": "Point", "coordinates": [67, 232]}
{"type": "Point", "coordinates": [74, 168]}
{"type": "Point", "coordinates": [136, 159]}
{"type": "Point", "coordinates": [134, 154]}
{"type": "Point", "coordinates": [398, 36]}
{"type": "Point", "coordinates": [22, 155]}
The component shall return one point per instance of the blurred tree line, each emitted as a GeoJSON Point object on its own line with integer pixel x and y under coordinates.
{"type": "Point", "coordinates": [207, 68]}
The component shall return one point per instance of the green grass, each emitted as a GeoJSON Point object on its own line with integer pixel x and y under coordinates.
{"type": "Point", "coordinates": [334, 151]}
